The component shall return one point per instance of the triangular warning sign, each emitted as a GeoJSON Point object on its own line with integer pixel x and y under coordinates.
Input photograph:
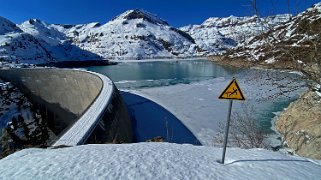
{"type": "Point", "coordinates": [232, 91]}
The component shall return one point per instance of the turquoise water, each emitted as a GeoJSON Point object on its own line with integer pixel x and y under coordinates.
{"type": "Point", "coordinates": [135, 75]}
{"type": "Point", "coordinates": [267, 113]}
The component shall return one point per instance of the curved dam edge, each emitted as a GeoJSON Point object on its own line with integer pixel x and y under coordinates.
{"type": "Point", "coordinates": [86, 124]}
{"type": "Point", "coordinates": [76, 101]}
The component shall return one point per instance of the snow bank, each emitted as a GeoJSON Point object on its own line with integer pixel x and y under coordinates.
{"type": "Point", "coordinates": [155, 161]}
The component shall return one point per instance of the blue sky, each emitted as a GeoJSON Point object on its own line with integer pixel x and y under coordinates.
{"type": "Point", "coordinates": [175, 12]}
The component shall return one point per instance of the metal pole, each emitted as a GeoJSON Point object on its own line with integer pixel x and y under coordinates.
{"type": "Point", "coordinates": [226, 130]}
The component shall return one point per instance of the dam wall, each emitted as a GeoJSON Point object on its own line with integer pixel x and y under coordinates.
{"type": "Point", "coordinates": [73, 102]}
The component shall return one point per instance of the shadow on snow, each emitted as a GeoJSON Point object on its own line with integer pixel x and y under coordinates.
{"type": "Point", "coordinates": [151, 120]}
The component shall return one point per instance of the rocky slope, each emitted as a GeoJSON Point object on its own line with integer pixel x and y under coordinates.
{"type": "Point", "coordinates": [21, 125]}
{"type": "Point", "coordinates": [300, 125]}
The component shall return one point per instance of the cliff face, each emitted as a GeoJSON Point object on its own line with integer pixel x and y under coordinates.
{"type": "Point", "coordinates": [300, 125]}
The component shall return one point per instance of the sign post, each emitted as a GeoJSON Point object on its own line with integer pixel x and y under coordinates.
{"type": "Point", "coordinates": [231, 92]}
{"type": "Point", "coordinates": [227, 130]}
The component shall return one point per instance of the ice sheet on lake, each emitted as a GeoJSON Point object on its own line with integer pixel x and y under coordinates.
{"type": "Point", "coordinates": [198, 107]}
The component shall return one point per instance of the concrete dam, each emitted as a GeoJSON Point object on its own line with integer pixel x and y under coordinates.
{"type": "Point", "coordinates": [79, 106]}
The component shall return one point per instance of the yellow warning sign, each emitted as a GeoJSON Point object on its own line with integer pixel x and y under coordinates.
{"type": "Point", "coordinates": [232, 91]}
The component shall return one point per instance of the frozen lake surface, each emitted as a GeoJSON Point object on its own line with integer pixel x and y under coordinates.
{"type": "Point", "coordinates": [190, 90]}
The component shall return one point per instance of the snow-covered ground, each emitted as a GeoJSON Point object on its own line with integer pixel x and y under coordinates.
{"type": "Point", "coordinates": [155, 161]}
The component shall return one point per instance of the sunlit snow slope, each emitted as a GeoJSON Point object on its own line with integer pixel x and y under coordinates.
{"type": "Point", "coordinates": [155, 161]}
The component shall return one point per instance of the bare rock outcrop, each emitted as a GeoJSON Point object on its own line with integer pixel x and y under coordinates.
{"type": "Point", "coordinates": [300, 125]}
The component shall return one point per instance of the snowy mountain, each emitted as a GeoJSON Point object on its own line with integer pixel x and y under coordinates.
{"type": "Point", "coordinates": [133, 34]}
{"type": "Point", "coordinates": [155, 161]}
{"type": "Point", "coordinates": [242, 28]}
{"type": "Point", "coordinates": [58, 45]}
{"type": "Point", "coordinates": [218, 34]}
{"type": "Point", "coordinates": [43, 31]}
{"type": "Point", "coordinates": [7, 26]}
{"type": "Point", "coordinates": [37, 42]}
{"type": "Point", "coordinates": [15, 45]}
{"type": "Point", "coordinates": [296, 43]}
{"type": "Point", "coordinates": [209, 40]}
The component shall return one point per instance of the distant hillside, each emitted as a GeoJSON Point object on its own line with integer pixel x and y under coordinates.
{"type": "Point", "coordinates": [296, 45]}
{"type": "Point", "coordinates": [55, 41]}
{"type": "Point", "coordinates": [216, 35]}
{"type": "Point", "coordinates": [16, 45]}
{"type": "Point", "coordinates": [7, 26]}
{"type": "Point", "coordinates": [37, 42]}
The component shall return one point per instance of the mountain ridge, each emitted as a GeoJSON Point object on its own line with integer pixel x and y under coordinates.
{"type": "Point", "coordinates": [293, 45]}
{"type": "Point", "coordinates": [137, 34]}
